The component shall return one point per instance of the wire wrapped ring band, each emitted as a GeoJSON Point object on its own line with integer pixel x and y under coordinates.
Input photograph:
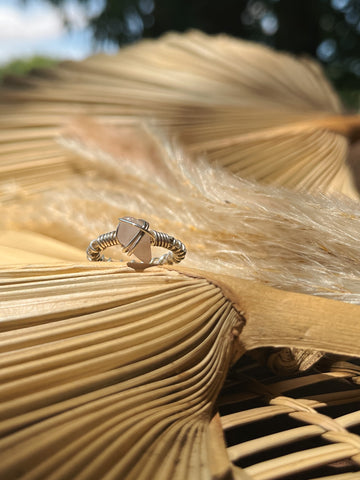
{"type": "Point", "coordinates": [135, 237]}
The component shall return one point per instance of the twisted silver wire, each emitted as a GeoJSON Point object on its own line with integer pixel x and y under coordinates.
{"type": "Point", "coordinates": [177, 248]}
{"type": "Point", "coordinates": [103, 241]}
{"type": "Point", "coordinates": [157, 239]}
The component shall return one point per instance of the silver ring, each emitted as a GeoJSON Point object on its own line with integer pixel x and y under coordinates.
{"type": "Point", "coordinates": [136, 238]}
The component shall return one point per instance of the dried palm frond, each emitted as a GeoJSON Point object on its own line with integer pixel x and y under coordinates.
{"type": "Point", "coordinates": [103, 386]}
{"type": "Point", "coordinates": [123, 384]}
{"type": "Point", "coordinates": [28, 248]}
{"type": "Point", "coordinates": [263, 115]}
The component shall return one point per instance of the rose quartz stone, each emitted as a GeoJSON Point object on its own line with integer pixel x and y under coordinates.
{"type": "Point", "coordinates": [126, 232]}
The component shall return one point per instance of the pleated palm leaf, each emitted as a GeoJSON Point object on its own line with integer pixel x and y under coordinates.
{"type": "Point", "coordinates": [113, 372]}
{"type": "Point", "coordinates": [109, 372]}
{"type": "Point", "coordinates": [261, 114]}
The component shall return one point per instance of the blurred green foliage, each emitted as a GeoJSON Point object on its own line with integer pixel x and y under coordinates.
{"type": "Point", "coordinates": [24, 66]}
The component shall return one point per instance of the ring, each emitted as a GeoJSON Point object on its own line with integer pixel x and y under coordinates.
{"type": "Point", "coordinates": [136, 238]}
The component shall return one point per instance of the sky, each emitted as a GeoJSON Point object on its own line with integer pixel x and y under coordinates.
{"type": "Point", "coordinates": [35, 27]}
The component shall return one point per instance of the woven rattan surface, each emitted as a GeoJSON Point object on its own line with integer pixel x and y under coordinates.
{"type": "Point", "coordinates": [295, 428]}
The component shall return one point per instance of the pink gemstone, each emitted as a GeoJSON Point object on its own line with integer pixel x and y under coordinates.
{"type": "Point", "coordinates": [127, 232]}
